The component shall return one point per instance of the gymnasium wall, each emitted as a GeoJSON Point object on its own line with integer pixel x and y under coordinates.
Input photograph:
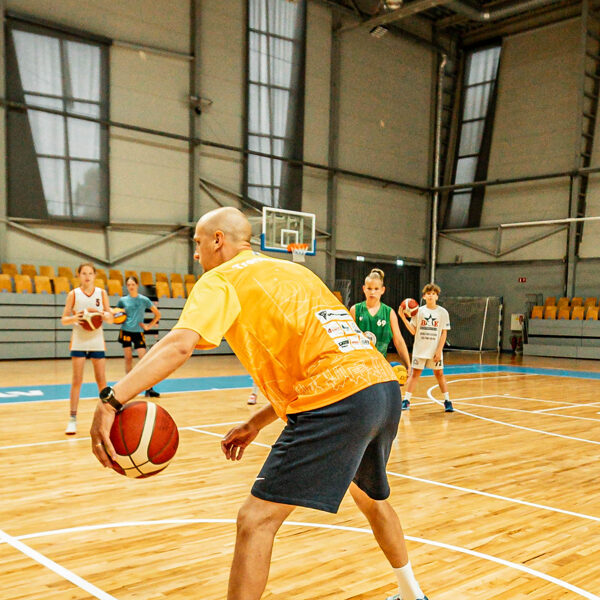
{"type": "Point", "coordinates": [385, 128]}
{"type": "Point", "coordinates": [148, 174]}
{"type": "Point", "coordinates": [384, 114]}
{"type": "Point", "coordinates": [534, 133]}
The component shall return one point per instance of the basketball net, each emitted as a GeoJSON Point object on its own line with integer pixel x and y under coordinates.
{"type": "Point", "coordinates": [298, 252]}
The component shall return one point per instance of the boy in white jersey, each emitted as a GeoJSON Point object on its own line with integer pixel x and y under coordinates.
{"type": "Point", "coordinates": [430, 327]}
{"type": "Point", "coordinates": [85, 344]}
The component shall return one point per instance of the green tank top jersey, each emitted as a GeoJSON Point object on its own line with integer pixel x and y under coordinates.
{"type": "Point", "coordinates": [377, 327]}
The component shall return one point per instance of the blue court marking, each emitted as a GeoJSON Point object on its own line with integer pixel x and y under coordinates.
{"type": "Point", "coordinates": [10, 395]}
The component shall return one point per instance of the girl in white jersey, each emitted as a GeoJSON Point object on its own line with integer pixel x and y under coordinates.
{"type": "Point", "coordinates": [430, 327]}
{"type": "Point", "coordinates": [85, 344]}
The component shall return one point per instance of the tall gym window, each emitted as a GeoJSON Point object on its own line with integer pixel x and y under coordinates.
{"type": "Point", "coordinates": [475, 134]}
{"type": "Point", "coordinates": [275, 101]}
{"type": "Point", "coordinates": [57, 164]}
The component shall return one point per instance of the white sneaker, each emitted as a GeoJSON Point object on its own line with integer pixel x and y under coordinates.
{"type": "Point", "coordinates": [71, 427]}
{"type": "Point", "coordinates": [252, 398]}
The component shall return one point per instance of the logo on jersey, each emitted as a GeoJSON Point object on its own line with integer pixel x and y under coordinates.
{"type": "Point", "coordinates": [333, 315]}
{"type": "Point", "coordinates": [430, 321]}
{"type": "Point", "coordinates": [371, 336]}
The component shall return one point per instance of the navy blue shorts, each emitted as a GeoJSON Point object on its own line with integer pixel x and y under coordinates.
{"type": "Point", "coordinates": [88, 354]}
{"type": "Point", "coordinates": [320, 452]}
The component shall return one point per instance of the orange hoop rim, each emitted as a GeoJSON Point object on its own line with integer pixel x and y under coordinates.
{"type": "Point", "coordinates": [297, 248]}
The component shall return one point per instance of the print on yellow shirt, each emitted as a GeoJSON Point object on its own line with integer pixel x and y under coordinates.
{"type": "Point", "coordinates": [297, 341]}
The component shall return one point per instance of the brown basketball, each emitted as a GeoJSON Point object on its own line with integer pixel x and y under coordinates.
{"type": "Point", "coordinates": [409, 307]}
{"type": "Point", "coordinates": [145, 438]}
{"type": "Point", "coordinates": [91, 319]}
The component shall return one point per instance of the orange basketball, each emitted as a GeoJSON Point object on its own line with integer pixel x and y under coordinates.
{"type": "Point", "coordinates": [91, 319]}
{"type": "Point", "coordinates": [119, 315]}
{"type": "Point", "coordinates": [409, 307]}
{"type": "Point", "coordinates": [145, 438]}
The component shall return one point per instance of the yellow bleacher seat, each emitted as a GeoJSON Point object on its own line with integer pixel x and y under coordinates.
{"type": "Point", "coordinates": [188, 287]}
{"type": "Point", "coordinates": [589, 302]}
{"type": "Point", "coordinates": [61, 285]}
{"type": "Point", "coordinates": [176, 278]}
{"type": "Point", "coordinates": [177, 290]}
{"type": "Point", "coordinates": [29, 270]}
{"type": "Point", "coordinates": [116, 275]}
{"type": "Point", "coordinates": [564, 313]}
{"type": "Point", "coordinates": [47, 271]}
{"type": "Point", "coordinates": [562, 302]}
{"type": "Point", "coordinates": [578, 313]}
{"type": "Point", "coordinates": [189, 278]}
{"type": "Point", "coordinates": [65, 272]}
{"type": "Point", "coordinates": [129, 274]}
{"type": "Point", "coordinates": [101, 274]}
{"type": "Point", "coordinates": [9, 269]}
{"type": "Point", "coordinates": [23, 284]}
{"type": "Point", "coordinates": [162, 277]}
{"type": "Point", "coordinates": [101, 283]}
{"type": "Point", "coordinates": [550, 301]}
{"type": "Point", "coordinates": [162, 289]}
{"type": "Point", "coordinates": [146, 278]}
{"type": "Point", "coordinates": [75, 283]}
{"type": "Point", "coordinates": [576, 301]}
{"type": "Point", "coordinates": [592, 313]}
{"type": "Point", "coordinates": [5, 283]}
{"type": "Point", "coordinates": [115, 287]}
{"type": "Point", "coordinates": [550, 312]}
{"type": "Point", "coordinates": [42, 284]}
{"type": "Point", "coordinates": [537, 312]}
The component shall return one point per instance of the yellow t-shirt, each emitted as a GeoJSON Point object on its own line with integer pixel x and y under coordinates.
{"type": "Point", "coordinates": [299, 343]}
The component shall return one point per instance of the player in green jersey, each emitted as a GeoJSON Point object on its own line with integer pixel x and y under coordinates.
{"type": "Point", "coordinates": [377, 320]}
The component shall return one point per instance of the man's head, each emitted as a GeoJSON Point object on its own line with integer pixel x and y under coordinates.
{"type": "Point", "coordinates": [220, 235]}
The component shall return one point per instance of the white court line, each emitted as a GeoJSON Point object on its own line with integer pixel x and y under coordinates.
{"type": "Point", "coordinates": [540, 400]}
{"type": "Point", "coordinates": [541, 410]}
{"type": "Point", "coordinates": [463, 412]}
{"type": "Point", "coordinates": [455, 487]}
{"type": "Point", "coordinates": [83, 439]}
{"type": "Point", "coordinates": [496, 496]}
{"type": "Point", "coordinates": [522, 410]}
{"type": "Point", "coordinates": [559, 582]}
{"type": "Point", "coordinates": [55, 567]}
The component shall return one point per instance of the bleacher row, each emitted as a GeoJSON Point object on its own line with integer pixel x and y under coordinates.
{"type": "Point", "coordinates": [46, 281]}
{"type": "Point", "coordinates": [574, 309]}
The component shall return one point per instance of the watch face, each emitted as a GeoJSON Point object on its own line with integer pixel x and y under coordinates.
{"type": "Point", "coordinates": [105, 393]}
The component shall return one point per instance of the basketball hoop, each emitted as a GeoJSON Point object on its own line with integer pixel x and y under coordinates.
{"type": "Point", "coordinates": [298, 251]}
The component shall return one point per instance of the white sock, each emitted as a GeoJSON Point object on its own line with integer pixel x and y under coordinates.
{"type": "Point", "coordinates": [408, 587]}
{"type": "Point", "coordinates": [73, 418]}
{"type": "Point", "coordinates": [407, 396]}
{"type": "Point", "coordinates": [447, 396]}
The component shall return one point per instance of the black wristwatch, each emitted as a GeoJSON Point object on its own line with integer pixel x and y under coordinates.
{"type": "Point", "coordinates": [107, 395]}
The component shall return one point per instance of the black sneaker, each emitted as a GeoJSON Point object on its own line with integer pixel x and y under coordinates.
{"type": "Point", "coordinates": [405, 405]}
{"type": "Point", "coordinates": [152, 393]}
{"type": "Point", "coordinates": [448, 406]}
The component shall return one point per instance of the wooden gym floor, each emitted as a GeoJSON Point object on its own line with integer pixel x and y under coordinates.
{"type": "Point", "coordinates": [499, 500]}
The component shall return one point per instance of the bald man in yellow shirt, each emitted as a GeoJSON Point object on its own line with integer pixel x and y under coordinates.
{"type": "Point", "coordinates": [339, 397]}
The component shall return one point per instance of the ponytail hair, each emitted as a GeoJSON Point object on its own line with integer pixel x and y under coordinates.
{"type": "Point", "coordinates": [375, 274]}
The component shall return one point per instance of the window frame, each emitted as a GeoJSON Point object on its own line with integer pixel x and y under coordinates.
{"type": "Point", "coordinates": [18, 22]}
{"type": "Point", "coordinates": [476, 194]}
{"type": "Point", "coordinates": [271, 137]}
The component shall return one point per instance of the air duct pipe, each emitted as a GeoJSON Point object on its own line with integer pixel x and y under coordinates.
{"type": "Point", "coordinates": [495, 14]}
